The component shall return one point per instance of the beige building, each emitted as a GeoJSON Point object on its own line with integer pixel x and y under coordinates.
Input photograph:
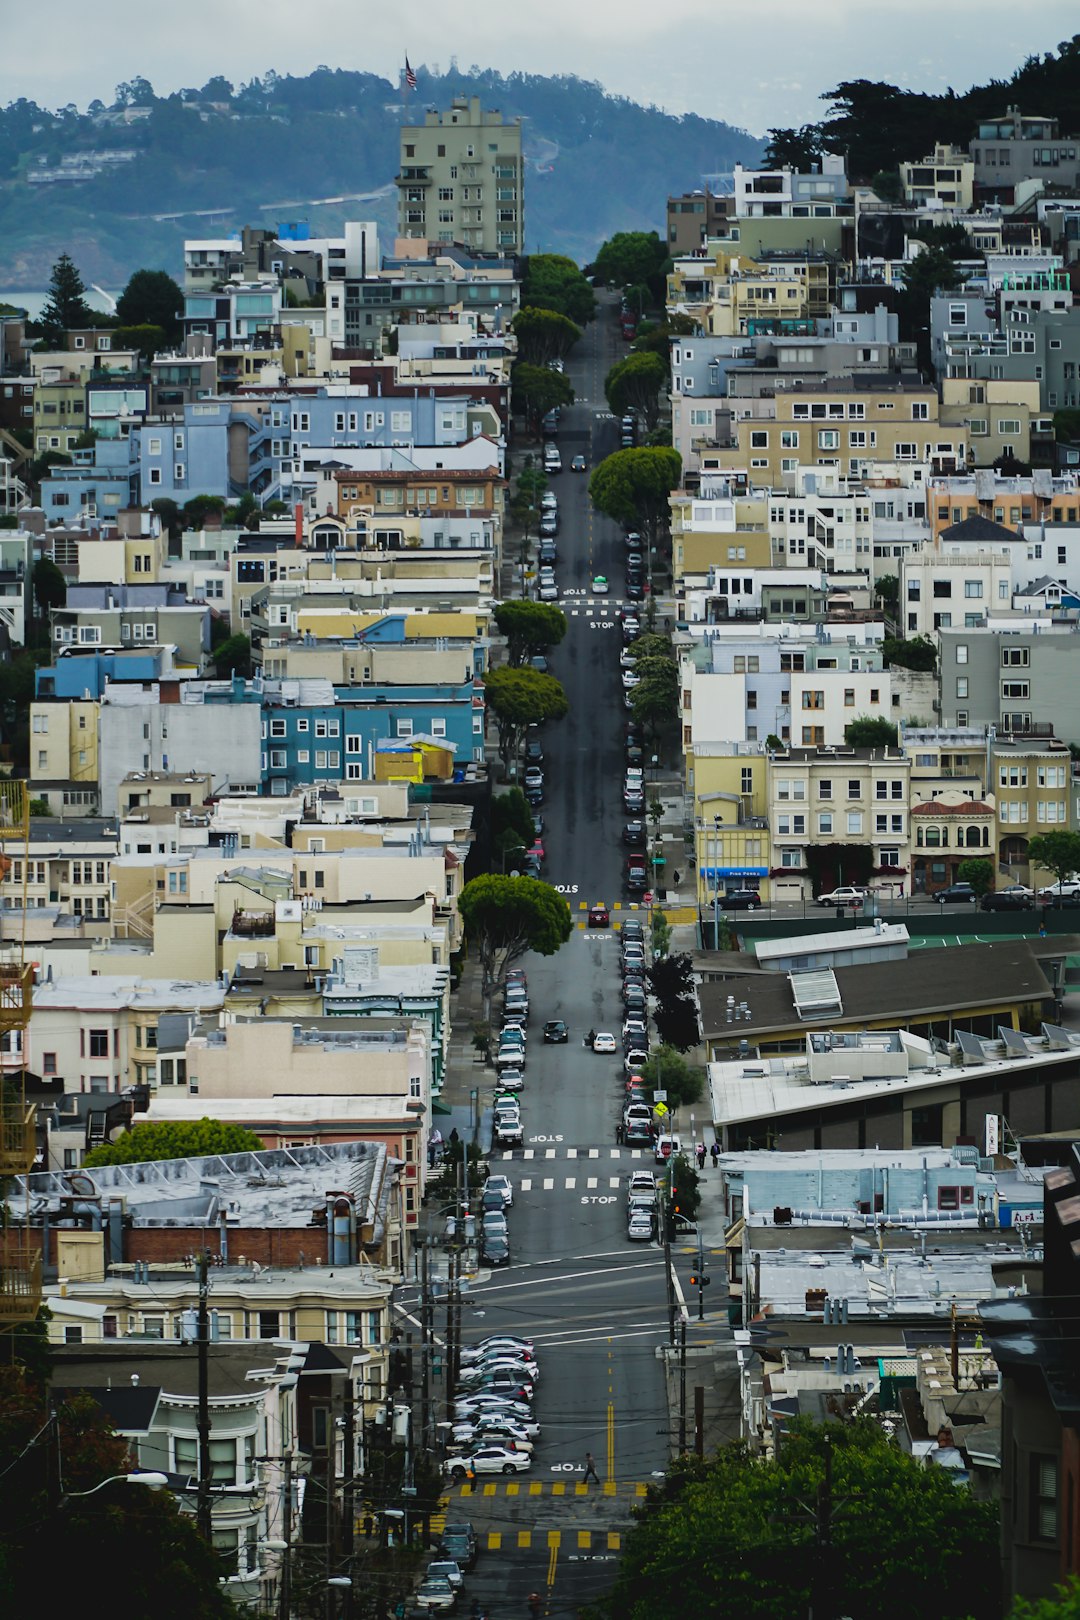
{"type": "Point", "coordinates": [64, 756]}
{"type": "Point", "coordinates": [945, 179]}
{"type": "Point", "coordinates": [997, 416]}
{"type": "Point", "coordinates": [724, 291]}
{"type": "Point", "coordinates": [717, 527]}
{"type": "Point", "coordinates": [856, 797]}
{"type": "Point", "coordinates": [462, 179]}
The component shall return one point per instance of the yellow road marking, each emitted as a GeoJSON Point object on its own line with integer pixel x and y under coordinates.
{"type": "Point", "coordinates": [614, 1540]}
{"type": "Point", "coordinates": [559, 1489]}
{"type": "Point", "coordinates": [494, 1540]}
{"type": "Point", "coordinates": [535, 1488]}
{"type": "Point", "coordinates": [554, 1539]}
{"type": "Point", "coordinates": [584, 1539]}
{"type": "Point", "coordinates": [489, 1490]}
{"type": "Point", "coordinates": [513, 1489]}
{"type": "Point", "coordinates": [525, 1539]}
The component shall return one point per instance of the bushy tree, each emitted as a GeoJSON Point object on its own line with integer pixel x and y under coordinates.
{"type": "Point", "coordinates": [1057, 852]}
{"type": "Point", "coordinates": [232, 657]}
{"type": "Point", "coordinates": [918, 652]}
{"type": "Point", "coordinates": [174, 1139]}
{"type": "Point", "coordinates": [667, 1070]}
{"type": "Point", "coordinates": [870, 731]}
{"type": "Point", "coordinates": [535, 390]}
{"type": "Point", "coordinates": [530, 628]}
{"type": "Point", "coordinates": [543, 335]}
{"type": "Point", "coordinates": [506, 916]}
{"type": "Point", "coordinates": [512, 825]}
{"type": "Point", "coordinates": [66, 307]}
{"type": "Point", "coordinates": [632, 258]}
{"type": "Point", "coordinates": [671, 980]}
{"type": "Point", "coordinates": [50, 586]}
{"type": "Point", "coordinates": [841, 1521]}
{"type": "Point", "coordinates": [632, 487]}
{"type": "Point", "coordinates": [518, 699]}
{"type": "Point", "coordinates": [634, 384]}
{"type": "Point", "coordinates": [978, 872]}
{"type": "Point", "coordinates": [552, 281]}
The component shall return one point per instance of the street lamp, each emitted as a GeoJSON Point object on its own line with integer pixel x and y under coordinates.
{"type": "Point", "coordinates": [153, 1482]}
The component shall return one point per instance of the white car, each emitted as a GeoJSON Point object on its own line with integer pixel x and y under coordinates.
{"type": "Point", "coordinates": [507, 1342]}
{"type": "Point", "coordinates": [1055, 891]}
{"type": "Point", "coordinates": [445, 1569]}
{"type": "Point", "coordinates": [639, 1226]}
{"type": "Point", "coordinates": [605, 1042]}
{"type": "Point", "coordinates": [848, 895]}
{"type": "Point", "coordinates": [435, 1593]}
{"type": "Point", "coordinates": [636, 1026]}
{"type": "Point", "coordinates": [549, 501]}
{"type": "Point", "coordinates": [630, 679]}
{"type": "Point", "coordinates": [504, 1186]}
{"type": "Point", "coordinates": [470, 1407]}
{"type": "Point", "coordinates": [489, 1460]}
{"type": "Point", "coordinates": [490, 1431]}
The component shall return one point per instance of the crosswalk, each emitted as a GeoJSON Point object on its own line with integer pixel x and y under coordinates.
{"type": "Point", "coordinates": [619, 1154]}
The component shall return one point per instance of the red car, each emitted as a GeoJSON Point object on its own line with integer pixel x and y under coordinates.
{"type": "Point", "coordinates": [599, 917]}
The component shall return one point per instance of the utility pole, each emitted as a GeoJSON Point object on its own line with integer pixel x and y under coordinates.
{"type": "Point", "coordinates": [348, 1524]}
{"type": "Point", "coordinates": [699, 1419]}
{"type": "Point", "coordinates": [682, 1387]}
{"type": "Point", "coordinates": [284, 1593]}
{"type": "Point", "coordinates": [204, 1507]}
{"type": "Point", "coordinates": [426, 1338]}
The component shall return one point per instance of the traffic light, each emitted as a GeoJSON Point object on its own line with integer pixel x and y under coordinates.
{"type": "Point", "coordinates": [699, 1280]}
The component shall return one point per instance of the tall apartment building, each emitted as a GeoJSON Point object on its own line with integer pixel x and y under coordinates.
{"type": "Point", "coordinates": [462, 179]}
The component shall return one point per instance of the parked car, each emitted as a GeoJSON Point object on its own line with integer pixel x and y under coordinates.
{"type": "Point", "coordinates": [957, 894]}
{"type": "Point", "coordinates": [1055, 891]}
{"type": "Point", "coordinates": [505, 1188]}
{"type": "Point", "coordinates": [639, 1226]}
{"type": "Point", "coordinates": [1007, 900]}
{"type": "Point", "coordinates": [435, 1593]}
{"type": "Point", "coordinates": [736, 898]}
{"type": "Point", "coordinates": [599, 917]}
{"type": "Point", "coordinates": [489, 1460]}
{"type": "Point", "coordinates": [847, 895]}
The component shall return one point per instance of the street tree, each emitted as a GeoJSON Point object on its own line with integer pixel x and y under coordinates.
{"type": "Point", "coordinates": [174, 1139]}
{"type": "Point", "coordinates": [530, 628]}
{"type": "Point", "coordinates": [667, 1070]}
{"type": "Point", "coordinates": [870, 731]}
{"type": "Point", "coordinates": [659, 933]}
{"type": "Point", "coordinates": [512, 826]}
{"type": "Point", "coordinates": [978, 872]}
{"type": "Point", "coordinates": [66, 306]}
{"type": "Point", "coordinates": [632, 487]}
{"type": "Point", "coordinates": [840, 1521]}
{"type": "Point", "coordinates": [887, 589]}
{"type": "Point", "coordinates": [525, 503]}
{"type": "Point", "coordinates": [1056, 852]}
{"type": "Point", "coordinates": [671, 980]}
{"type": "Point", "coordinates": [152, 298]}
{"type": "Point", "coordinates": [506, 916]}
{"type": "Point", "coordinates": [654, 337]}
{"type": "Point", "coordinates": [552, 281]}
{"type": "Point", "coordinates": [543, 335]}
{"type": "Point", "coordinates": [654, 700]}
{"type": "Point", "coordinates": [535, 390]}
{"type": "Point", "coordinates": [518, 699]}
{"type": "Point", "coordinates": [634, 384]}
{"type": "Point", "coordinates": [632, 258]}
{"type": "Point", "coordinates": [685, 1187]}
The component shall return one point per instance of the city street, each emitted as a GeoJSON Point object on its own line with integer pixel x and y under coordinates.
{"type": "Point", "coordinates": [594, 1303]}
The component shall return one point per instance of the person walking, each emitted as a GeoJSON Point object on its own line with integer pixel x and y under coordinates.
{"type": "Point", "coordinates": [620, 1134]}
{"type": "Point", "coordinates": [590, 1468]}
{"type": "Point", "coordinates": [715, 1152]}
{"type": "Point", "coordinates": [701, 1155]}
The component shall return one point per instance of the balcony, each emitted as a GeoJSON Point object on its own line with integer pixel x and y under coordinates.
{"type": "Point", "coordinates": [18, 1134]}
{"type": "Point", "coordinates": [20, 1280]}
{"type": "Point", "coordinates": [16, 990]}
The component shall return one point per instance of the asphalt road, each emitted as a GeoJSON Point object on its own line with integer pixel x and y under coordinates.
{"type": "Point", "coordinates": [594, 1304]}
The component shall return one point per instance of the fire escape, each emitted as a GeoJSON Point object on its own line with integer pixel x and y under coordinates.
{"type": "Point", "coordinates": [20, 1263]}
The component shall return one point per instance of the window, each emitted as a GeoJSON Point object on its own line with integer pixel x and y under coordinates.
{"type": "Point", "coordinates": [99, 1043]}
{"type": "Point", "coordinates": [825, 789]}
{"type": "Point", "coordinates": [1015, 657]}
{"type": "Point", "coordinates": [854, 822]}
{"type": "Point", "coordinates": [854, 788]}
{"type": "Point", "coordinates": [1043, 1499]}
{"type": "Point", "coordinates": [813, 700]}
{"type": "Point", "coordinates": [973, 589]}
{"type": "Point", "coordinates": [825, 823]}
{"type": "Point", "coordinates": [790, 825]}
{"type": "Point", "coordinates": [961, 686]}
{"type": "Point", "coordinates": [813, 736]}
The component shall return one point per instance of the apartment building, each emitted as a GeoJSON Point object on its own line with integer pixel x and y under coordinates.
{"type": "Point", "coordinates": [792, 193]}
{"type": "Point", "coordinates": [64, 756]}
{"type": "Point", "coordinates": [961, 577]}
{"type": "Point", "coordinates": [1001, 418]}
{"type": "Point", "coordinates": [1016, 146]}
{"type": "Point", "coordinates": [1039, 497]}
{"type": "Point", "coordinates": [99, 1034]}
{"type": "Point", "coordinates": [947, 830]}
{"type": "Point", "coordinates": [66, 865]}
{"type": "Point", "coordinates": [693, 218]}
{"type": "Point", "coordinates": [1015, 678]}
{"type": "Point", "coordinates": [732, 849]}
{"type": "Point", "coordinates": [726, 291]}
{"type": "Point", "coordinates": [461, 178]}
{"type": "Point", "coordinates": [945, 179]}
{"type": "Point", "coordinates": [854, 802]}
{"type": "Point", "coordinates": [1034, 793]}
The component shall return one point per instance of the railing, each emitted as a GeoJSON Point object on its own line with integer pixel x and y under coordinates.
{"type": "Point", "coordinates": [20, 1280]}
{"type": "Point", "coordinates": [18, 1136]}
{"type": "Point", "coordinates": [16, 985]}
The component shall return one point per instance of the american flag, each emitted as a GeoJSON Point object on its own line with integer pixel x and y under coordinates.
{"type": "Point", "coordinates": [410, 76]}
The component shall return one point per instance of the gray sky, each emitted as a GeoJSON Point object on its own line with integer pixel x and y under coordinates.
{"type": "Point", "coordinates": [766, 65]}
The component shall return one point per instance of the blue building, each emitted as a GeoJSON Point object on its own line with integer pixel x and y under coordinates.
{"type": "Point", "coordinates": [84, 674]}
{"type": "Point", "coordinates": [99, 483]}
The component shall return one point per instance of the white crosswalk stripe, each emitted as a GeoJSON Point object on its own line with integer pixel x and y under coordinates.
{"type": "Point", "coordinates": [529, 1184]}
{"type": "Point", "coordinates": [620, 1154]}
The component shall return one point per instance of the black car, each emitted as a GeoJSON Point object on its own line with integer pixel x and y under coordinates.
{"type": "Point", "coordinates": [633, 800]}
{"type": "Point", "coordinates": [1061, 902]}
{"type": "Point", "coordinates": [957, 894]}
{"type": "Point", "coordinates": [740, 897]}
{"type": "Point", "coordinates": [1008, 900]}
{"type": "Point", "coordinates": [637, 880]}
{"type": "Point", "coordinates": [631, 629]}
{"type": "Point", "coordinates": [534, 751]}
{"type": "Point", "coordinates": [555, 1032]}
{"type": "Point", "coordinates": [634, 834]}
{"type": "Point", "coordinates": [534, 795]}
{"type": "Point", "coordinates": [635, 590]}
{"type": "Point", "coordinates": [495, 1249]}
{"type": "Point", "coordinates": [635, 756]}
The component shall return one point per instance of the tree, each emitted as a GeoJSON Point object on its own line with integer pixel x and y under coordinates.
{"type": "Point", "coordinates": [525, 503]}
{"type": "Point", "coordinates": [841, 1521]}
{"type": "Point", "coordinates": [671, 980]}
{"type": "Point", "coordinates": [232, 657]}
{"type": "Point", "coordinates": [1064, 1606]}
{"type": "Point", "coordinates": [529, 628]}
{"type": "Point", "coordinates": [1056, 852]}
{"type": "Point", "coordinates": [50, 586]}
{"type": "Point", "coordinates": [66, 307]}
{"type": "Point", "coordinates": [196, 510]}
{"type": "Point", "coordinates": [158, 1563]}
{"type": "Point", "coordinates": [519, 698]}
{"type": "Point", "coordinates": [512, 825]}
{"type": "Point", "coordinates": [977, 872]}
{"type": "Point", "coordinates": [919, 652]}
{"type": "Point", "coordinates": [654, 337]}
{"type": "Point", "coordinates": [174, 1139]}
{"type": "Point", "coordinates": [506, 916]}
{"type": "Point", "coordinates": [887, 590]}
{"type": "Point", "coordinates": [654, 700]}
{"type": "Point", "coordinates": [148, 338]}
{"type": "Point", "coordinates": [543, 335]}
{"type": "Point", "coordinates": [632, 258]}
{"type": "Point", "coordinates": [685, 1188]}
{"type": "Point", "coordinates": [888, 184]}
{"type": "Point", "coordinates": [659, 933]}
{"type": "Point", "coordinates": [870, 731]}
{"type": "Point", "coordinates": [169, 513]}
{"type": "Point", "coordinates": [632, 487]}
{"type": "Point", "coordinates": [552, 281]}
{"type": "Point", "coordinates": [634, 384]}
{"type": "Point", "coordinates": [796, 149]}
{"type": "Point", "coordinates": [535, 390]}
{"type": "Point", "coordinates": [667, 1070]}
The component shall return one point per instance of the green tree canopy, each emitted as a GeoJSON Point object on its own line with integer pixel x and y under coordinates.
{"type": "Point", "coordinates": [654, 700]}
{"type": "Point", "coordinates": [1064, 1606]}
{"type": "Point", "coordinates": [667, 1070]}
{"type": "Point", "coordinates": [794, 149]}
{"type": "Point", "coordinates": [152, 298]}
{"type": "Point", "coordinates": [148, 338]}
{"type": "Point", "coordinates": [742, 1535]}
{"type": "Point", "coordinates": [887, 590]}
{"type": "Point", "coordinates": [655, 337]}
{"type": "Point", "coordinates": [525, 503]}
{"type": "Point", "coordinates": [632, 487]}
{"type": "Point", "coordinates": [978, 872]}
{"type": "Point", "coordinates": [1057, 852]}
{"type": "Point", "coordinates": [870, 731]}
{"type": "Point", "coordinates": [535, 390]}
{"type": "Point", "coordinates": [919, 652]}
{"type": "Point", "coordinates": [232, 657]}
{"type": "Point", "coordinates": [512, 825]}
{"type": "Point", "coordinates": [634, 384]}
{"type": "Point", "coordinates": [671, 980]}
{"type": "Point", "coordinates": [519, 698]}
{"type": "Point", "coordinates": [50, 586]}
{"type": "Point", "coordinates": [506, 916]}
{"type": "Point", "coordinates": [543, 335]}
{"type": "Point", "coordinates": [66, 307]}
{"type": "Point", "coordinates": [177, 1139]}
{"type": "Point", "coordinates": [552, 281]}
{"type": "Point", "coordinates": [195, 511]}
{"type": "Point", "coordinates": [529, 628]}
{"type": "Point", "coordinates": [632, 258]}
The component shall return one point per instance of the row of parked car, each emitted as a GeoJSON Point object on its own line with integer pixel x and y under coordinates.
{"type": "Point", "coordinates": [493, 1428]}
{"type": "Point", "coordinates": [507, 1129]}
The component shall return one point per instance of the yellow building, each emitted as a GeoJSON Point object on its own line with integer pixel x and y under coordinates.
{"type": "Point", "coordinates": [996, 415]}
{"type": "Point", "coordinates": [946, 179]}
{"type": "Point", "coordinates": [725, 291]}
{"type": "Point", "coordinates": [731, 828]}
{"type": "Point", "coordinates": [1032, 788]}
{"type": "Point", "coordinates": [841, 427]}
{"type": "Point", "coordinates": [720, 529]}
{"type": "Point", "coordinates": [64, 756]}
{"type": "Point", "coordinates": [123, 559]}
{"type": "Point", "coordinates": [59, 410]}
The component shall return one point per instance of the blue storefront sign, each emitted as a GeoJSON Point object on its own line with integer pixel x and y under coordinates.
{"type": "Point", "coordinates": [734, 871]}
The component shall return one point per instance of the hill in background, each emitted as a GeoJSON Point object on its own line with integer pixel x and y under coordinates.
{"type": "Point", "coordinates": [317, 147]}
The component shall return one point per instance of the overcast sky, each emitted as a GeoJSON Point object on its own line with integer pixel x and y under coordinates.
{"type": "Point", "coordinates": [765, 65]}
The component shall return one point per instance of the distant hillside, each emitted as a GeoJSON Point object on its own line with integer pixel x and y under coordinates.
{"type": "Point", "coordinates": [287, 148]}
